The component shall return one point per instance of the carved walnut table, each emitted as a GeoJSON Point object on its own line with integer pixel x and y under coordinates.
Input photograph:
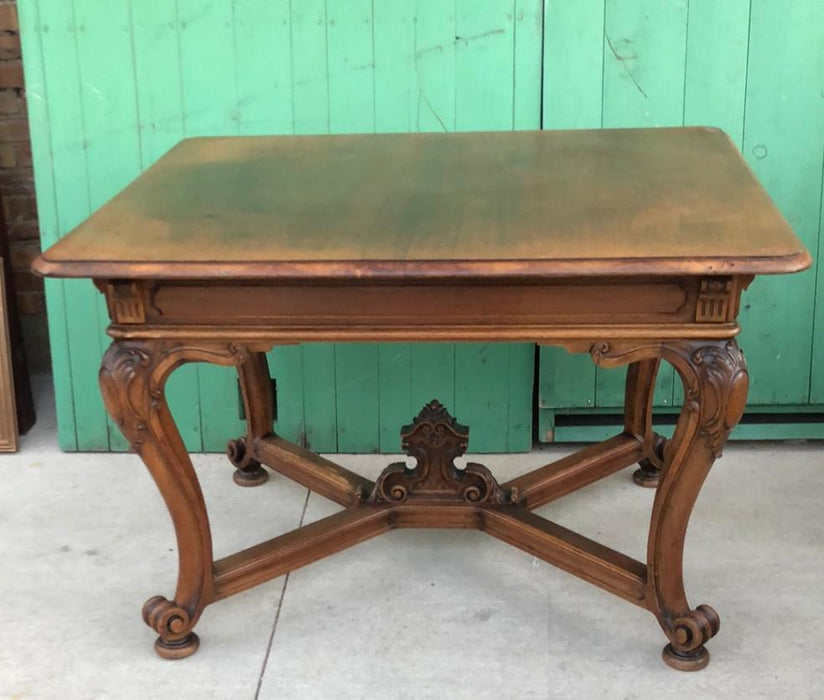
{"type": "Point", "coordinates": [633, 246]}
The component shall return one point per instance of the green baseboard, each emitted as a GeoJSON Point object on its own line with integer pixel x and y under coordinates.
{"type": "Point", "coordinates": [759, 423]}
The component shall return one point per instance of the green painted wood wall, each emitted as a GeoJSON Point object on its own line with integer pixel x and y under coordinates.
{"type": "Point", "coordinates": [114, 84]}
{"type": "Point", "coordinates": [752, 67]}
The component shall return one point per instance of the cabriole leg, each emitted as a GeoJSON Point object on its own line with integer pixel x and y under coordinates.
{"type": "Point", "coordinates": [640, 388]}
{"type": "Point", "coordinates": [715, 392]}
{"type": "Point", "coordinates": [132, 380]}
{"type": "Point", "coordinates": [256, 389]}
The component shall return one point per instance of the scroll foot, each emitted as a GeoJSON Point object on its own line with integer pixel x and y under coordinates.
{"type": "Point", "coordinates": [177, 650]}
{"type": "Point", "coordinates": [694, 661]}
{"type": "Point", "coordinates": [686, 652]}
{"type": "Point", "coordinates": [174, 625]}
{"type": "Point", "coordinates": [253, 475]}
{"type": "Point", "coordinates": [649, 474]}
{"type": "Point", "coordinates": [249, 471]}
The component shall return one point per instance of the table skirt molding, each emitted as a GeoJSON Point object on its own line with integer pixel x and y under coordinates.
{"type": "Point", "coordinates": [436, 493]}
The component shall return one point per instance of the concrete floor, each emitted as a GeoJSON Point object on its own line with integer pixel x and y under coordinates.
{"type": "Point", "coordinates": [85, 539]}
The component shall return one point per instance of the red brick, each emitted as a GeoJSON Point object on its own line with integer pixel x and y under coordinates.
{"type": "Point", "coordinates": [24, 230]}
{"type": "Point", "coordinates": [27, 281]}
{"type": "Point", "coordinates": [11, 74]}
{"type": "Point", "coordinates": [22, 254]}
{"type": "Point", "coordinates": [31, 303]}
{"type": "Point", "coordinates": [15, 155]}
{"type": "Point", "coordinates": [19, 207]}
{"type": "Point", "coordinates": [8, 155]}
{"type": "Point", "coordinates": [8, 17]}
{"type": "Point", "coordinates": [9, 46]}
{"type": "Point", "coordinates": [10, 102]}
{"type": "Point", "coordinates": [17, 181]}
{"type": "Point", "coordinates": [14, 130]}
{"type": "Point", "coordinates": [24, 155]}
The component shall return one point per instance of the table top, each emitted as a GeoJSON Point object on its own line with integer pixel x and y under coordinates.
{"type": "Point", "coordinates": [503, 204]}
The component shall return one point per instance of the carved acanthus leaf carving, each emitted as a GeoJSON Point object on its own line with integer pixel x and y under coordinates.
{"type": "Point", "coordinates": [133, 373]}
{"type": "Point", "coordinates": [716, 388]}
{"type": "Point", "coordinates": [122, 376]}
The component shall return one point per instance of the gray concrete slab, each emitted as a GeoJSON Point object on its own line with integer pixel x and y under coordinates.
{"type": "Point", "coordinates": [85, 539]}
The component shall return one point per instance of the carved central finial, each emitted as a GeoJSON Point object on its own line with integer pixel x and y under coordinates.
{"type": "Point", "coordinates": [433, 429]}
{"type": "Point", "coordinates": [435, 439]}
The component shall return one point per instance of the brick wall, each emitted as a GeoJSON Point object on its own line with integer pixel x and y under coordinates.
{"type": "Point", "coordinates": [17, 187]}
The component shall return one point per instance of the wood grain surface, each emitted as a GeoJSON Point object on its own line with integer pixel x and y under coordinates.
{"type": "Point", "coordinates": [652, 201]}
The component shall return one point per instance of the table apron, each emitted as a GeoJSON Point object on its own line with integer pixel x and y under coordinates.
{"type": "Point", "coordinates": [451, 310]}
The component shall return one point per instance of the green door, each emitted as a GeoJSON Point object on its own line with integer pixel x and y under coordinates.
{"type": "Point", "coordinates": [755, 69]}
{"type": "Point", "coordinates": [112, 85]}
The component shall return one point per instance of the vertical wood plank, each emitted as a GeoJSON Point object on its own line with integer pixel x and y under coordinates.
{"type": "Point", "coordinates": [310, 94]}
{"type": "Point", "coordinates": [716, 65]}
{"type": "Point", "coordinates": [208, 69]}
{"type": "Point", "coordinates": [565, 381]}
{"type": "Point", "coordinates": [357, 396]}
{"type": "Point", "coordinates": [263, 47]}
{"type": "Point", "coordinates": [485, 48]}
{"type": "Point", "coordinates": [482, 393]}
{"type": "Point", "coordinates": [158, 83]}
{"type": "Point", "coordinates": [60, 40]}
{"type": "Point", "coordinates": [644, 61]}
{"type": "Point", "coordinates": [433, 375]}
{"type": "Point", "coordinates": [395, 390]}
{"type": "Point", "coordinates": [484, 65]}
{"type": "Point", "coordinates": [783, 142]}
{"type": "Point", "coordinates": [526, 79]}
{"type": "Point", "coordinates": [395, 81]}
{"type": "Point", "coordinates": [520, 397]}
{"type": "Point", "coordinates": [394, 72]}
{"type": "Point", "coordinates": [493, 394]}
{"type": "Point", "coordinates": [573, 76]}
{"type": "Point", "coordinates": [817, 359]}
{"type": "Point", "coordinates": [41, 145]}
{"type": "Point", "coordinates": [573, 64]}
{"type": "Point", "coordinates": [433, 102]}
{"type": "Point", "coordinates": [350, 59]}
{"type": "Point", "coordinates": [262, 37]}
{"type": "Point", "coordinates": [157, 77]}
{"type": "Point", "coordinates": [209, 92]}
{"type": "Point", "coordinates": [414, 64]}
{"type": "Point", "coordinates": [109, 106]}
{"type": "Point", "coordinates": [432, 365]}
{"type": "Point", "coordinates": [310, 70]}
{"type": "Point", "coordinates": [319, 404]}
{"type": "Point", "coordinates": [644, 51]}
{"type": "Point", "coordinates": [351, 66]}
{"type": "Point", "coordinates": [286, 367]}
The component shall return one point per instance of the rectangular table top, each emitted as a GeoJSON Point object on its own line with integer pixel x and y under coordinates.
{"type": "Point", "coordinates": [503, 204]}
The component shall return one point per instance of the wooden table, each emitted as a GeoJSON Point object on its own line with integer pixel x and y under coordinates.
{"type": "Point", "coordinates": [633, 246]}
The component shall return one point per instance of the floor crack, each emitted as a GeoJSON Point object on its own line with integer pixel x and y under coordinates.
{"type": "Point", "coordinates": [279, 608]}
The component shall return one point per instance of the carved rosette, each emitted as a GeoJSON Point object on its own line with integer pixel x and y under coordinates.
{"type": "Point", "coordinates": [436, 439]}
